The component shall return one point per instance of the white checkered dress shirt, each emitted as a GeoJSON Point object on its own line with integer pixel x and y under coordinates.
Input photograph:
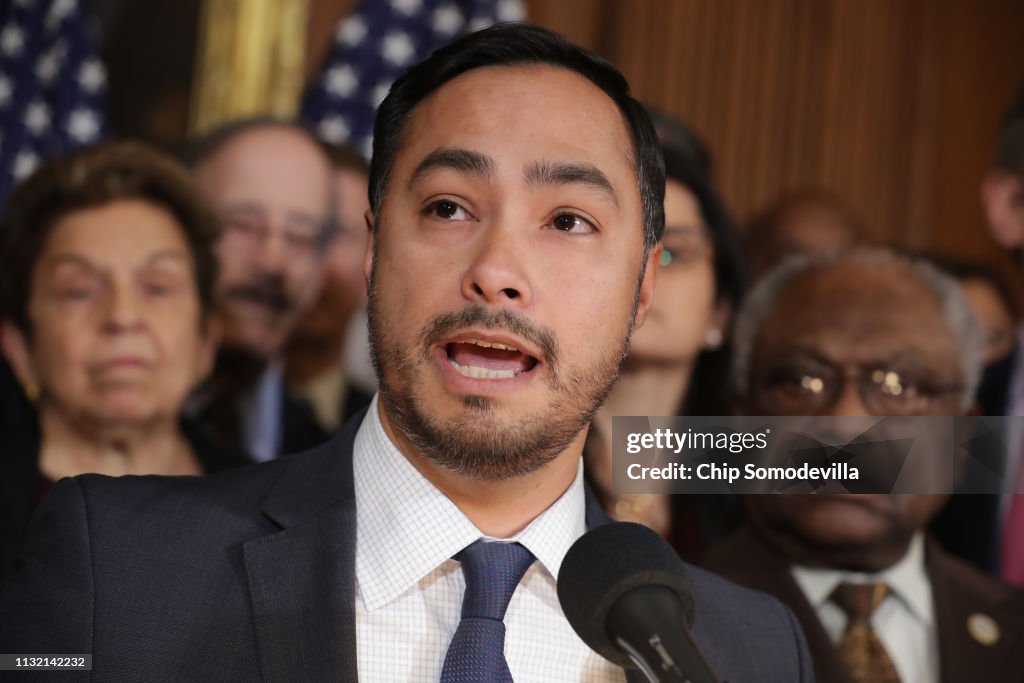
{"type": "Point", "coordinates": [409, 590]}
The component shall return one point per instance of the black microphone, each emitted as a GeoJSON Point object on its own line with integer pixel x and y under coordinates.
{"type": "Point", "coordinates": [624, 590]}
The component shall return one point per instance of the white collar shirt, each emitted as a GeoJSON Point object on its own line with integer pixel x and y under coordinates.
{"type": "Point", "coordinates": [409, 590]}
{"type": "Point", "coordinates": [904, 621]}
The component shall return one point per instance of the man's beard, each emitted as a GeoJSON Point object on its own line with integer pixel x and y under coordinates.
{"type": "Point", "coordinates": [477, 446]}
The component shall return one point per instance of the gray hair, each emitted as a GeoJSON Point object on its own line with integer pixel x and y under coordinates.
{"type": "Point", "coordinates": [762, 299]}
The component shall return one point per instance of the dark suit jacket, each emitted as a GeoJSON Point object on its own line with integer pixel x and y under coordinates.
{"type": "Point", "coordinates": [249, 575]}
{"type": "Point", "coordinates": [21, 481]}
{"type": "Point", "coordinates": [959, 591]}
{"type": "Point", "coordinates": [216, 408]}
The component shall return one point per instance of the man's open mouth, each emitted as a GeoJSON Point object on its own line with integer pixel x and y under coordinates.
{"type": "Point", "coordinates": [488, 360]}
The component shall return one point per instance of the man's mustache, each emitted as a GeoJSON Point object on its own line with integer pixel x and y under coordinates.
{"type": "Point", "coordinates": [541, 338]}
{"type": "Point", "coordinates": [270, 293]}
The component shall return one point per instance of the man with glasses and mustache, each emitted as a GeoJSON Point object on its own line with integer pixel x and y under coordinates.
{"type": "Point", "coordinates": [270, 182]}
{"type": "Point", "coordinates": [516, 209]}
{"type": "Point", "coordinates": [867, 333]}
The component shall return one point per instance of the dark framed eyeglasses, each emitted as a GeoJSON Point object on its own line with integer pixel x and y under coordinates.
{"type": "Point", "coordinates": [813, 387]}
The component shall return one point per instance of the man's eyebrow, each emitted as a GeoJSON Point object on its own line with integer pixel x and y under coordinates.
{"type": "Point", "coordinates": [461, 160]}
{"type": "Point", "coordinates": [567, 173]}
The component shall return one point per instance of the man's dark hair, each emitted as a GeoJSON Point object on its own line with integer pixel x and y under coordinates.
{"type": "Point", "coordinates": [91, 179]}
{"type": "Point", "coordinates": [213, 141]}
{"type": "Point", "coordinates": [1010, 148]}
{"type": "Point", "coordinates": [519, 45]}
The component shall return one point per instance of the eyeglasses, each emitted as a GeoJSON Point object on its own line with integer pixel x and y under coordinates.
{"type": "Point", "coordinates": [250, 230]}
{"type": "Point", "coordinates": [685, 245]}
{"type": "Point", "coordinates": [806, 387]}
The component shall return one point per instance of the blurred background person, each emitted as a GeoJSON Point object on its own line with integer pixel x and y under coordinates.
{"type": "Point", "coordinates": [1002, 198]}
{"type": "Point", "coordinates": [318, 350]}
{"type": "Point", "coordinates": [968, 526]}
{"type": "Point", "coordinates": [804, 221]}
{"type": "Point", "coordinates": [270, 183]}
{"type": "Point", "coordinates": [106, 304]}
{"type": "Point", "coordinates": [992, 304]}
{"type": "Point", "coordinates": [678, 360]}
{"type": "Point", "coordinates": [867, 333]}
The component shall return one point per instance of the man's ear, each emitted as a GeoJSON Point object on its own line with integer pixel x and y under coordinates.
{"type": "Point", "coordinates": [646, 297]}
{"type": "Point", "coordinates": [1002, 199]}
{"type": "Point", "coordinates": [15, 349]}
{"type": "Point", "coordinates": [368, 257]}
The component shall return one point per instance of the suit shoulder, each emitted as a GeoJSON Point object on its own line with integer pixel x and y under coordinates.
{"type": "Point", "coordinates": [735, 625]}
{"type": "Point", "coordinates": [184, 501]}
{"type": "Point", "coordinates": [724, 596]}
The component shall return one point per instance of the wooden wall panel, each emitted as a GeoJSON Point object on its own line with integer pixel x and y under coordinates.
{"type": "Point", "coordinates": [892, 104]}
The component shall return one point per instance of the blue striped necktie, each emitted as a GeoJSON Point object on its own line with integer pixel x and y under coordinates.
{"type": "Point", "coordinates": [477, 651]}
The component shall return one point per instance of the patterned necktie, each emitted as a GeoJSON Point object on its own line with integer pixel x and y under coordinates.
{"type": "Point", "coordinates": [862, 653]}
{"type": "Point", "coordinates": [477, 651]}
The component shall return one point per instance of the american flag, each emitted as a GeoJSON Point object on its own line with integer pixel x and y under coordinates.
{"type": "Point", "coordinates": [52, 85]}
{"type": "Point", "coordinates": [375, 45]}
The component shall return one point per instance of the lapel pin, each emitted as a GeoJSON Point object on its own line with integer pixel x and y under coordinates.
{"type": "Point", "coordinates": [983, 628]}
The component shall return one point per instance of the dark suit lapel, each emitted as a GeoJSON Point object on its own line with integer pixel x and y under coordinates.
{"type": "Point", "coordinates": [302, 578]}
{"type": "Point", "coordinates": [745, 559]}
{"type": "Point", "coordinates": [967, 607]}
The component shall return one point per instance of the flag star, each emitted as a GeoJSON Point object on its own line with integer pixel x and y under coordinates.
{"type": "Point", "coordinates": [380, 92]}
{"type": "Point", "coordinates": [24, 164]}
{"type": "Point", "coordinates": [84, 125]}
{"type": "Point", "coordinates": [511, 10]}
{"type": "Point", "coordinates": [47, 66]}
{"type": "Point", "coordinates": [398, 48]}
{"type": "Point", "coordinates": [11, 40]}
{"type": "Point", "coordinates": [447, 20]}
{"type": "Point", "coordinates": [92, 76]}
{"type": "Point", "coordinates": [58, 10]}
{"type": "Point", "coordinates": [6, 91]}
{"type": "Point", "coordinates": [366, 147]}
{"type": "Point", "coordinates": [334, 129]}
{"type": "Point", "coordinates": [37, 118]}
{"type": "Point", "coordinates": [341, 80]}
{"type": "Point", "coordinates": [407, 7]}
{"type": "Point", "coordinates": [352, 31]}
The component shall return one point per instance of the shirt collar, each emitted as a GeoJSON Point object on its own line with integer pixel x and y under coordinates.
{"type": "Point", "coordinates": [907, 579]}
{"type": "Point", "coordinates": [406, 528]}
{"type": "Point", "coordinates": [261, 413]}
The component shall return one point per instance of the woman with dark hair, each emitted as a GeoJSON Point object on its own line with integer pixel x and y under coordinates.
{"type": "Point", "coordinates": [106, 321]}
{"type": "Point", "coordinates": [678, 360]}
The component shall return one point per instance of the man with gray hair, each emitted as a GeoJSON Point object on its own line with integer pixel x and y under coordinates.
{"type": "Point", "coordinates": [867, 332]}
{"type": "Point", "coordinates": [270, 183]}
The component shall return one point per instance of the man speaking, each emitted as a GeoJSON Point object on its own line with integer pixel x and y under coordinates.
{"type": "Point", "coordinates": [516, 207]}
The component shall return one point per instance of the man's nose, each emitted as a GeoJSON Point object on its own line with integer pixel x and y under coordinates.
{"type": "Point", "coordinates": [850, 402]}
{"type": "Point", "coordinates": [271, 255]}
{"type": "Point", "coordinates": [498, 272]}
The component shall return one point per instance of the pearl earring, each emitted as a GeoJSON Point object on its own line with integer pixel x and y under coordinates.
{"type": "Point", "coordinates": [713, 339]}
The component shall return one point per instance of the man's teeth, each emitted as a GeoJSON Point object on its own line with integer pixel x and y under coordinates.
{"type": "Point", "coordinates": [491, 345]}
{"type": "Point", "coordinates": [481, 373]}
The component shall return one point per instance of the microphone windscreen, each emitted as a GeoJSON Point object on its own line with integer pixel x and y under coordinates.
{"type": "Point", "coordinates": [605, 563]}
